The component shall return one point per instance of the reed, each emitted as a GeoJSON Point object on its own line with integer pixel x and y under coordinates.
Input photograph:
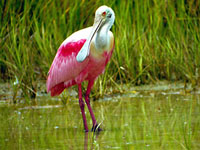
{"type": "Point", "coordinates": [154, 39]}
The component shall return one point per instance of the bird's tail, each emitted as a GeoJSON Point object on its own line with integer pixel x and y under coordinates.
{"type": "Point", "coordinates": [57, 90]}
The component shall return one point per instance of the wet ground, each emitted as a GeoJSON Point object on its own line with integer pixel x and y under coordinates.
{"type": "Point", "coordinates": [148, 117]}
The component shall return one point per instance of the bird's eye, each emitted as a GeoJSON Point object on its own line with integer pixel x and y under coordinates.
{"type": "Point", "coordinates": [104, 13]}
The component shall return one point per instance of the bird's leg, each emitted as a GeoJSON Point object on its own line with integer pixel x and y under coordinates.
{"type": "Point", "coordinates": [82, 105]}
{"type": "Point", "coordinates": [87, 99]}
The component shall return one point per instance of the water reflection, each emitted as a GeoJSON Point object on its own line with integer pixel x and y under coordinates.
{"type": "Point", "coordinates": [93, 138]}
{"type": "Point", "coordinates": [161, 121]}
{"type": "Point", "coordinates": [86, 141]}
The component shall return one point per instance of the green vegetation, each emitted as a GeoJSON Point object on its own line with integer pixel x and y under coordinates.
{"type": "Point", "coordinates": [154, 39]}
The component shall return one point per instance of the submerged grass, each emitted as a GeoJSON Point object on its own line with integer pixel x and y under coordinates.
{"type": "Point", "coordinates": [154, 40]}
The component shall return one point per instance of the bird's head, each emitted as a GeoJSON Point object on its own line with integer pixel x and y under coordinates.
{"type": "Point", "coordinates": [104, 16]}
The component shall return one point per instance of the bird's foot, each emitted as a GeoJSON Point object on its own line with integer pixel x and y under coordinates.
{"type": "Point", "coordinates": [96, 128]}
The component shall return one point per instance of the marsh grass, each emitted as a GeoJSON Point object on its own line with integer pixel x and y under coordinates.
{"type": "Point", "coordinates": [154, 40]}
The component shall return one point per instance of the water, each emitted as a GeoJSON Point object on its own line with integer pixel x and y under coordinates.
{"type": "Point", "coordinates": [134, 120]}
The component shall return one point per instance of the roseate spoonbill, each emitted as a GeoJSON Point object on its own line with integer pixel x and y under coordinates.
{"type": "Point", "coordinates": [83, 57]}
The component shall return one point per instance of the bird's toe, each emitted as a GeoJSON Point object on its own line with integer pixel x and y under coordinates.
{"type": "Point", "coordinates": [96, 128]}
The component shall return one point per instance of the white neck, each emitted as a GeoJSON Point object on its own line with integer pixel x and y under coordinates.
{"type": "Point", "coordinates": [101, 38]}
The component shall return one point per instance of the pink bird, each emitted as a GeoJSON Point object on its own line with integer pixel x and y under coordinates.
{"type": "Point", "coordinates": [83, 57]}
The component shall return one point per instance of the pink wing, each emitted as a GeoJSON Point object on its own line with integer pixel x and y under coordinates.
{"type": "Point", "coordinates": [65, 68]}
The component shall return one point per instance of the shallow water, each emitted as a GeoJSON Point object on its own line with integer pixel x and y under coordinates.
{"type": "Point", "coordinates": [151, 119]}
